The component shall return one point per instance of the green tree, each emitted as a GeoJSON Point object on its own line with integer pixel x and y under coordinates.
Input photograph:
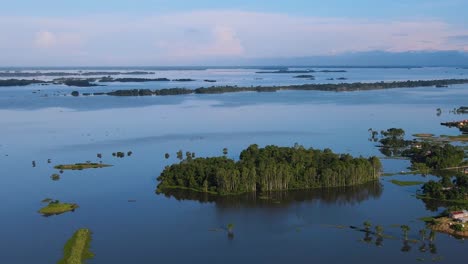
{"type": "Point", "coordinates": [379, 230]}
{"type": "Point", "coordinates": [405, 230]}
{"type": "Point", "coordinates": [180, 155]}
{"type": "Point", "coordinates": [367, 225]}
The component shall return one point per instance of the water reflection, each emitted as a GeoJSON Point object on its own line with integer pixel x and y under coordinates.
{"type": "Point", "coordinates": [342, 196]}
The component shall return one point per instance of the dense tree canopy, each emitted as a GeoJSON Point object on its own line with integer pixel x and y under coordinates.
{"type": "Point", "coordinates": [270, 168]}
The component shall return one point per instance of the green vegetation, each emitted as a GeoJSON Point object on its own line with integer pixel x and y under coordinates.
{"type": "Point", "coordinates": [461, 125]}
{"type": "Point", "coordinates": [449, 226]}
{"type": "Point", "coordinates": [76, 82]}
{"type": "Point", "coordinates": [436, 156]}
{"type": "Point", "coordinates": [56, 208]}
{"type": "Point", "coordinates": [55, 177]}
{"type": "Point", "coordinates": [393, 142]}
{"type": "Point", "coordinates": [16, 82]}
{"type": "Point", "coordinates": [462, 110]}
{"type": "Point", "coordinates": [183, 80]}
{"type": "Point", "coordinates": [305, 87]}
{"type": "Point", "coordinates": [423, 135]}
{"type": "Point", "coordinates": [81, 166]}
{"type": "Point", "coordinates": [406, 183]}
{"type": "Point", "coordinates": [299, 71]}
{"type": "Point", "coordinates": [76, 250]}
{"type": "Point", "coordinates": [462, 138]}
{"type": "Point", "coordinates": [64, 74]}
{"type": "Point", "coordinates": [304, 76]}
{"type": "Point", "coordinates": [269, 169]}
{"type": "Point", "coordinates": [110, 79]}
{"type": "Point", "coordinates": [447, 190]}
{"type": "Point", "coordinates": [425, 156]}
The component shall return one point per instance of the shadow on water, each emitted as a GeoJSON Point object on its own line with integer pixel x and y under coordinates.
{"type": "Point", "coordinates": [348, 195]}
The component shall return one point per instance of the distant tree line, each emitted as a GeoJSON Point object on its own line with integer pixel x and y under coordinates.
{"type": "Point", "coordinates": [305, 87]}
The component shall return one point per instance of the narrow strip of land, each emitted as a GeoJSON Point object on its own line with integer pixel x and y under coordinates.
{"type": "Point", "coordinates": [340, 87]}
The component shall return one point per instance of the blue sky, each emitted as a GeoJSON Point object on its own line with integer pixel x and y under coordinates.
{"type": "Point", "coordinates": [448, 10]}
{"type": "Point", "coordinates": [92, 32]}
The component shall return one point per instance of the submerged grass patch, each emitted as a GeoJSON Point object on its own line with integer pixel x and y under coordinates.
{"type": "Point", "coordinates": [76, 250]}
{"type": "Point", "coordinates": [406, 183]}
{"type": "Point", "coordinates": [55, 208]}
{"type": "Point", "coordinates": [81, 166]}
{"type": "Point", "coordinates": [423, 135]}
{"type": "Point", "coordinates": [463, 137]}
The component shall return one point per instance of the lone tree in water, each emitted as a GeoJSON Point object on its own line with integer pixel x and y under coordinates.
{"type": "Point", "coordinates": [379, 230]}
{"type": "Point", "coordinates": [230, 230]}
{"type": "Point", "coordinates": [367, 225]}
{"type": "Point", "coordinates": [180, 155]}
{"type": "Point", "coordinates": [167, 155]}
{"type": "Point", "coordinates": [225, 151]}
{"type": "Point", "coordinates": [405, 230]}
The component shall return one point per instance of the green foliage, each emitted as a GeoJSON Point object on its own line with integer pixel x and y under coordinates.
{"type": "Point", "coordinates": [55, 208]}
{"type": "Point", "coordinates": [393, 142]}
{"type": "Point", "coordinates": [367, 225]}
{"type": "Point", "coordinates": [81, 166]}
{"type": "Point", "coordinates": [270, 168]}
{"type": "Point", "coordinates": [457, 227]}
{"type": "Point", "coordinates": [436, 156]}
{"type": "Point", "coordinates": [358, 86]}
{"type": "Point", "coordinates": [180, 155]}
{"type": "Point", "coordinates": [421, 168]}
{"type": "Point", "coordinates": [379, 230]}
{"type": "Point", "coordinates": [406, 183]}
{"type": "Point", "coordinates": [405, 230]}
{"type": "Point", "coordinates": [445, 189]}
{"type": "Point", "coordinates": [76, 250]}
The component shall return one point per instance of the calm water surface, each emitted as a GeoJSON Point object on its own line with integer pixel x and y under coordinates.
{"type": "Point", "coordinates": [183, 227]}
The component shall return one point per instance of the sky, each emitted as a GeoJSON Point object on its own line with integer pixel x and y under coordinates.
{"type": "Point", "coordinates": [186, 32]}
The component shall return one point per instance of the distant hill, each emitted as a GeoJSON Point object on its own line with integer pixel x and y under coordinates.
{"type": "Point", "coordinates": [363, 59]}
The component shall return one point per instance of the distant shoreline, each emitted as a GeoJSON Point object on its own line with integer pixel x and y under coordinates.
{"type": "Point", "coordinates": [341, 87]}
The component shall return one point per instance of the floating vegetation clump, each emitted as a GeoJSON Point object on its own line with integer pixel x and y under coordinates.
{"type": "Point", "coordinates": [81, 166]}
{"type": "Point", "coordinates": [76, 250]}
{"type": "Point", "coordinates": [56, 208]}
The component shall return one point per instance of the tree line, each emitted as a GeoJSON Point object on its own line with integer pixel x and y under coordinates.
{"type": "Point", "coordinates": [271, 168]}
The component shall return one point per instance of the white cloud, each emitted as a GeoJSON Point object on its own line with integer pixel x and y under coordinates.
{"type": "Point", "coordinates": [45, 39]}
{"type": "Point", "coordinates": [187, 37]}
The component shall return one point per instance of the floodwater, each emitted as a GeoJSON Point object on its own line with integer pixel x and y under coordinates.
{"type": "Point", "coordinates": [184, 227]}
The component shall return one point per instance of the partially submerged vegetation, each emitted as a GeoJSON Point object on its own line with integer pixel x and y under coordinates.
{"type": "Point", "coordinates": [77, 248]}
{"type": "Point", "coordinates": [449, 226]}
{"type": "Point", "coordinates": [64, 74]}
{"type": "Point", "coordinates": [17, 82]}
{"type": "Point", "coordinates": [461, 125]}
{"type": "Point", "coordinates": [56, 208]}
{"type": "Point", "coordinates": [424, 155]}
{"type": "Point", "coordinates": [269, 169]}
{"type": "Point", "coordinates": [81, 166]}
{"type": "Point", "coordinates": [300, 71]}
{"type": "Point", "coordinates": [406, 183]}
{"type": "Point", "coordinates": [340, 87]}
{"type": "Point", "coordinates": [110, 79]}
